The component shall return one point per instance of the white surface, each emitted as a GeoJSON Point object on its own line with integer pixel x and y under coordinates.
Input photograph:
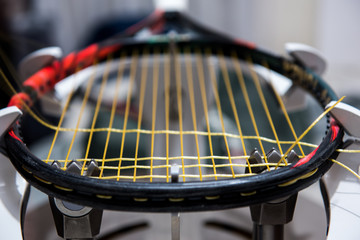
{"type": "Point", "coordinates": [9, 201]}
{"type": "Point", "coordinates": [344, 189]}
{"type": "Point", "coordinates": [345, 212]}
{"type": "Point", "coordinates": [178, 5]}
{"type": "Point", "coordinates": [9, 226]}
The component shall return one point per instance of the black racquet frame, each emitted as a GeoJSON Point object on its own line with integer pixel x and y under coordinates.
{"type": "Point", "coordinates": [175, 197]}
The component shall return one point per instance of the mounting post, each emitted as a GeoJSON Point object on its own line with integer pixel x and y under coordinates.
{"type": "Point", "coordinates": [175, 216]}
{"type": "Point", "coordinates": [270, 218]}
{"type": "Point", "coordinates": [75, 221]}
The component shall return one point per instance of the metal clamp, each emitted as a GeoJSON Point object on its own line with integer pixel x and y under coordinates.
{"type": "Point", "coordinates": [34, 62]}
{"type": "Point", "coordinates": [269, 218]}
{"type": "Point", "coordinates": [75, 221]}
{"type": "Point", "coordinates": [307, 56]}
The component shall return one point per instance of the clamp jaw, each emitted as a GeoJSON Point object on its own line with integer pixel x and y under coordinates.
{"type": "Point", "coordinates": [51, 103]}
{"type": "Point", "coordinates": [75, 221]}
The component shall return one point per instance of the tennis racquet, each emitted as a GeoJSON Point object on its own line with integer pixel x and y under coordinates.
{"type": "Point", "coordinates": [170, 94]}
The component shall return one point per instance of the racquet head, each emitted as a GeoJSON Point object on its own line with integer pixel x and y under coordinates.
{"type": "Point", "coordinates": [170, 116]}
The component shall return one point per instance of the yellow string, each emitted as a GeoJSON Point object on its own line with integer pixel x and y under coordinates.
{"type": "Point", "coordinates": [346, 167]}
{"type": "Point", "coordinates": [37, 116]}
{"type": "Point", "coordinates": [167, 109]}
{"type": "Point", "coordinates": [309, 128]}
{"type": "Point", "coordinates": [189, 76]}
{"type": "Point", "coordinates": [28, 109]}
{"type": "Point", "coordinates": [266, 108]}
{"type": "Point", "coordinates": [179, 101]}
{"type": "Point", "coordinates": [144, 131]}
{"type": "Point", "coordinates": [144, 69]}
{"type": "Point", "coordinates": [113, 106]}
{"type": "Point", "coordinates": [247, 101]}
{"type": "Point", "coordinates": [97, 108]}
{"type": "Point", "coordinates": [167, 131]}
{"type": "Point", "coordinates": [205, 165]}
{"type": "Point", "coordinates": [154, 104]}
{"type": "Point", "coordinates": [59, 124]}
{"type": "Point", "coordinates": [128, 100]}
{"type": "Point", "coordinates": [11, 69]}
{"type": "Point", "coordinates": [283, 108]}
{"type": "Point", "coordinates": [218, 105]}
{"type": "Point", "coordinates": [232, 100]}
{"type": "Point", "coordinates": [200, 71]}
{"type": "Point", "coordinates": [83, 105]}
{"type": "Point", "coordinates": [348, 151]}
{"type": "Point", "coordinates": [12, 89]}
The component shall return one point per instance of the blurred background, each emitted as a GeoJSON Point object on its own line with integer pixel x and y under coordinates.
{"type": "Point", "coordinates": [331, 26]}
{"type": "Point", "coordinates": [328, 25]}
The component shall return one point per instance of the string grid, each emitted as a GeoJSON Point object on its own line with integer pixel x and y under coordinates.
{"type": "Point", "coordinates": [205, 112]}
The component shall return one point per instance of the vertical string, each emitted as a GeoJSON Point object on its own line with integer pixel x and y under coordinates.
{"type": "Point", "coordinates": [263, 101]}
{"type": "Point", "coordinates": [154, 104]}
{"type": "Point", "coordinates": [167, 109]}
{"type": "Point", "coordinates": [144, 69]}
{"type": "Point", "coordinates": [283, 108]}
{"type": "Point", "coordinates": [60, 123]}
{"type": "Point", "coordinates": [97, 108]}
{"type": "Point", "coordinates": [189, 76]}
{"type": "Point", "coordinates": [133, 67]}
{"type": "Point", "coordinates": [201, 77]}
{"type": "Point", "coordinates": [226, 77]}
{"type": "Point", "coordinates": [113, 109]}
{"type": "Point", "coordinates": [179, 101]}
{"type": "Point", "coordinates": [218, 105]}
{"type": "Point", "coordinates": [86, 96]}
{"type": "Point", "coordinates": [59, 126]}
{"type": "Point", "coordinates": [83, 105]}
{"type": "Point", "coordinates": [247, 101]}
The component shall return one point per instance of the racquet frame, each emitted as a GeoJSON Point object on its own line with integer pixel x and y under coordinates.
{"type": "Point", "coordinates": [183, 196]}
